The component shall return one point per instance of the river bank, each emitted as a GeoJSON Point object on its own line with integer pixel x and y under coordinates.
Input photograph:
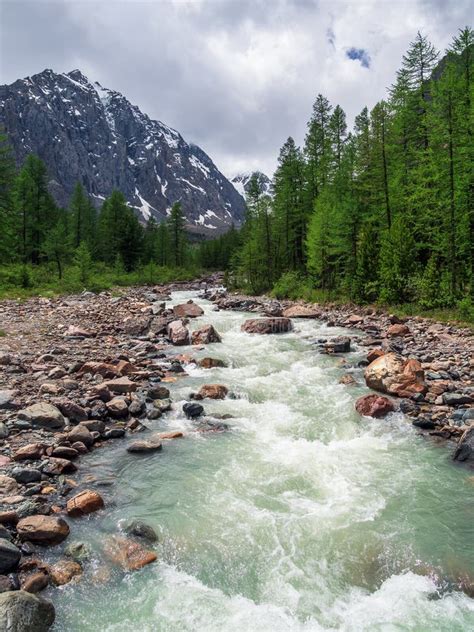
{"type": "Point", "coordinates": [105, 363]}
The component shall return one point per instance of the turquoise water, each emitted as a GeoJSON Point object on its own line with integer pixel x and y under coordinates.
{"type": "Point", "coordinates": [303, 517]}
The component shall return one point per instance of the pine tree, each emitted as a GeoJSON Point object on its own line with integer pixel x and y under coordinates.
{"type": "Point", "coordinates": [83, 218]}
{"type": "Point", "coordinates": [7, 220]}
{"type": "Point", "coordinates": [57, 245]}
{"type": "Point", "coordinates": [177, 236]}
{"type": "Point", "coordinates": [120, 234]}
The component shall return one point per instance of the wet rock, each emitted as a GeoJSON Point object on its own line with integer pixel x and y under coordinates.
{"type": "Point", "coordinates": [172, 434]}
{"type": "Point", "coordinates": [140, 529]}
{"type": "Point", "coordinates": [162, 405]}
{"type": "Point", "coordinates": [374, 354]}
{"type": "Point", "coordinates": [9, 556]}
{"type": "Point", "coordinates": [212, 391]}
{"type": "Point", "coordinates": [57, 466]}
{"type": "Point", "coordinates": [128, 554]}
{"type": "Point", "coordinates": [341, 344]}
{"type": "Point", "coordinates": [31, 451]}
{"type": "Point", "coordinates": [158, 392]}
{"type": "Point", "coordinates": [65, 452]}
{"type": "Point", "coordinates": [78, 551]}
{"type": "Point", "coordinates": [136, 408]}
{"type": "Point", "coordinates": [26, 475]}
{"type": "Point", "coordinates": [187, 310]}
{"type": "Point", "coordinates": [117, 408]}
{"type": "Point", "coordinates": [301, 311]}
{"type": "Point", "coordinates": [35, 582]}
{"type": "Point", "coordinates": [424, 423]}
{"type": "Point", "coordinates": [43, 530]}
{"type": "Point", "coordinates": [395, 375]}
{"type": "Point", "coordinates": [398, 329]}
{"type": "Point", "coordinates": [465, 448]}
{"type": "Point", "coordinates": [374, 406]}
{"type": "Point", "coordinates": [144, 446]}
{"type": "Point", "coordinates": [43, 415]}
{"type": "Point", "coordinates": [21, 611]}
{"type": "Point", "coordinates": [6, 584]}
{"type": "Point", "coordinates": [114, 433]}
{"type": "Point", "coordinates": [81, 433]}
{"type": "Point", "coordinates": [178, 334]}
{"type": "Point", "coordinates": [84, 503]}
{"type": "Point", "coordinates": [64, 571]}
{"type": "Point", "coordinates": [267, 325]}
{"type": "Point", "coordinates": [192, 410]}
{"type": "Point", "coordinates": [347, 379]}
{"type": "Point", "coordinates": [210, 363]}
{"type": "Point", "coordinates": [205, 335]}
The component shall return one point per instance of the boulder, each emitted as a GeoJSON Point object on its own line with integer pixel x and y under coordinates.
{"type": "Point", "coordinates": [178, 334]}
{"type": "Point", "coordinates": [35, 582]}
{"type": "Point", "coordinates": [117, 408]}
{"type": "Point", "coordinates": [212, 391]}
{"type": "Point", "coordinates": [144, 446]}
{"type": "Point", "coordinates": [397, 329]}
{"type": "Point", "coordinates": [347, 379]}
{"type": "Point", "coordinates": [187, 310]}
{"type": "Point", "coordinates": [84, 503]}
{"type": "Point", "coordinates": [31, 451]}
{"type": "Point", "coordinates": [137, 325]}
{"type": "Point", "coordinates": [158, 392]}
{"type": "Point", "coordinates": [374, 354]}
{"type": "Point", "coordinates": [465, 448]}
{"type": "Point", "coordinates": [301, 311]}
{"type": "Point", "coordinates": [456, 399]}
{"type": "Point", "coordinates": [192, 410]}
{"type": "Point", "coordinates": [140, 529]}
{"type": "Point", "coordinates": [7, 399]}
{"type": "Point", "coordinates": [26, 475]}
{"type": "Point", "coordinates": [9, 556]}
{"type": "Point", "coordinates": [210, 363]}
{"type": "Point", "coordinates": [355, 319]}
{"type": "Point", "coordinates": [21, 611]}
{"type": "Point", "coordinates": [393, 374]}
{"type": "Point", "coordinates": [43, 415]}
{"type": "Point", "coordinates": [57, 466]}
{"type": "Point", "coordinates": [64, 571]}
{"type": "Point", "coordinates": [78, 332]}
{"type": "Point", "coordinates": [374, 406]}
{"type": "Point", "coordinates": [267, 325]}
{"type": "Point", "coordinates": [71, 410]}
{"type": "Point", "coordinates": [43, 530]}
{"type": "Point", "coordinates": [78, 551]}
{"type": "Point", "coordinates": [205, 335]}
{"type": "Point", "coordinates": [80, 433]}
{"type": "Point", "coordinates": [128, 554]}
{"type": "Point", "coordinates": [341, 344]}
{"type": "Point", "coordinates": [8, 485]}
{"type": "Point", "coordinates": [120, 386]}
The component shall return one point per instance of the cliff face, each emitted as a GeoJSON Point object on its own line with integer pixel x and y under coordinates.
{"type": "Point", "coordinates": [89, 134]}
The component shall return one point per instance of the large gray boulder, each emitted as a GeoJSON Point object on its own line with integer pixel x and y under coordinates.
{"type": "Point", "coordinates": [21, 611]}
{"type": "Point", "coordinates": [43, 415]}
{"type": "Point", "coordinates": [9, 556]}
{"type": "Point", "coordinates": [465, 448]}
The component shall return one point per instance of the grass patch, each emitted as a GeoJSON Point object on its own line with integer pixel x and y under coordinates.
{"type": "Point", "coordinates": [3, 333]}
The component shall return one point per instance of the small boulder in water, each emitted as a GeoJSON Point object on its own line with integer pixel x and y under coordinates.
{"type": "Point", "coordinates": [205, 335]}
{"type": "Point", "coordinates": [21, 611]}
{"type": "Point", "coordinates": [192, 410]}
{"type": "Point", "coordinates": [210, 363]}
{"type": "Point", "coordinates": [341, 344]}
{"type": "Point", "coordinates": [140, 529]}
{"type": "Point", "coordinates": [144, 447]}
{"type": "Point", "coordinates": [374, 406]}
{"type": "Point", "coordinates": [212, 391]}
{"type": "Point", "coordinates": [267, 325]}
{"type": "Point", "coordinates": [187, 310]}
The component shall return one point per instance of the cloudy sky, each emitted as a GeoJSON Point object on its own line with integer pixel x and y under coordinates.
{"type": "Point", "coordinates": [237, 77]}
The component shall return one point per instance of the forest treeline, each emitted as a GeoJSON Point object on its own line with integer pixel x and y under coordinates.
{"type": "Point", "coordinates": [382, 213]}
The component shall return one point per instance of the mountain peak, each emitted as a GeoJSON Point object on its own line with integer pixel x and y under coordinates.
{"type": "Point", "coordinates": [87, 133]}
{"type": "Point", "coordinates": [241, 182]}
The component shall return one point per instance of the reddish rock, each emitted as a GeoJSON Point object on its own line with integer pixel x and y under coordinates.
{"type": "Point", "coordinates": [32, 451]}
{"type": "Point", "coordinates": [137, 325]}
{"type": "Point", "coordinates": [144, 446]}
{"type": "Point", "coordinates": [43, 530]}
{"type": "Point", "coordinates": [301, 311]}
{"type": "Point", "coordinates": [355, 319]}
{"type": "Point", "coordinates": [205, 335]}
{"type": "Point", "coordinates": [395, 375]}
{"type": "Point", "coordinates": [58, 466]}
{"type": "Point", "coordinates": [35, 582]}
{"type": "Point", "coordinates": [117, 408]}
{"type": "Point", "coordinates": [174, 434]}
{"type": "Point", "coordinates": [374, 406]}
{"type": "Point", "coordinates": [210, 363]}
{"type": "Point", "coordinates": [212, 391]}
{"type": "Point", "coordinates": [374, 354]}
{"type": "Point", "coordinates": [128, 554]}
{"type": "Point", "coordinates": [120, 386]}
{"type": "Point", "coordinates": [84, 503]}
{"type": "Point", "coordinates": [347, 379]}
{"type": "Point", "coordinates": [64, 571]}
{"type": "Point", "coordinates": [71, 410]}
{"type": "Point", "coordinates": [267, 325]}
{"type": "Point", "coordinates": [187, 310]}
{"type": "Point", "coordinates": [398, 329]}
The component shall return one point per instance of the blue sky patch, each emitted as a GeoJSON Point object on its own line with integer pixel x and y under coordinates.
{"type": "Point", "coordinates": [359, 54]}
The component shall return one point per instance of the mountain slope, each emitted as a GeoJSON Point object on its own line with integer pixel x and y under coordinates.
{"type": "Point", "coordinates": [93, 135]}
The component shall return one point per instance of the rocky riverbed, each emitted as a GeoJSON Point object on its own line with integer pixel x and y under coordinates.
{"type": "Point", "coordinates": [83, 372]}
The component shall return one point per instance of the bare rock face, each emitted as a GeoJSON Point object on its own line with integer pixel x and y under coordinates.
{"type": "Point", "coordinates": [212, 391]}
{"type": "Point", "coordinates": [300, 311]}
{"type": "Point", "coordinates": [205, 335]}
{"type": "Point", "coordinates": [84, 503]}
{"type": "Point", "coordinates": [43, 415]}
{"type": "Point", "coordinates": [374, 406]}
{"type": "Point", "coordinates": [267, 325]}
{"type": "Point", "coordinates": [178, 333]}
{"type": "Point", "coordinates": [43, 530]}
{"type": "Point", "coordinates": [395, 375]}
{"type": "Point", "coordinates": [187, 310]}
{"type": "Point", "coordinates": [20, 611]}
{"type": "Point", "coordinates": [128, 554]}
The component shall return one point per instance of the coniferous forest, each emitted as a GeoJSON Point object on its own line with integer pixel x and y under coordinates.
{"type": "Point", "coordinates": [383, 213]}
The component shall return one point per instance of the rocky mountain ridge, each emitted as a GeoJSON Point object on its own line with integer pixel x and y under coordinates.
{"type": "Point", "coordinates": [87, 133]}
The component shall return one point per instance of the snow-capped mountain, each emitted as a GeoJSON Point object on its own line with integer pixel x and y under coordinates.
{"type": "Point", "coordinates": [241, 182]}
{"type": "Point", "coordinates": [87, 133]}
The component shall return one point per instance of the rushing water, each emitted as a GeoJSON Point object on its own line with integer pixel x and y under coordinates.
{"type": "Point", "coordinates": [303, 517]}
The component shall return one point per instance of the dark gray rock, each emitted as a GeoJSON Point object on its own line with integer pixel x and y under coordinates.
{"type": "Point", "coordinates": [465, 448]}
{"type": "Point", "coordinates": [9, 556]}
{"type": "Point", "coordinates": [7, 399]}
{"type": "Point", "coordinates": [192, 410]}
{"type": "Point", "coordinates": [456, 399]}
{"type": "Point", "coordinates": [140, 529]}
{"type": "Point", "coordinates": [341, 344]}
{"type": "Point", "coordinates": [21, 611]}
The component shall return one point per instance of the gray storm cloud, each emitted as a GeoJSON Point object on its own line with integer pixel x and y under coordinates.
{"type": "Point", "coordinates": [235, 77]}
